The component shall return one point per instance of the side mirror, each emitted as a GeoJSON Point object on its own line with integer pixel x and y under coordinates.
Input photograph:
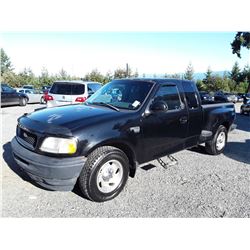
{"type": "Point", "coordinates": [158, 106]}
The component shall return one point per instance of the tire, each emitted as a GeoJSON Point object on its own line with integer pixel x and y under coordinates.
{"type": "Point", "coordinates": [104, 174]}
{"type": "Point", "coordinates": [23, 102]}
{"type": "Point", "coordinates": [218, 143]}
{"type": "Point", "coordinates": [42, 100]}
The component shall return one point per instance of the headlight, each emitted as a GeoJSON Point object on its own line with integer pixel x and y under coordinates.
{"type": "Point", "coordinates": [59, 145]}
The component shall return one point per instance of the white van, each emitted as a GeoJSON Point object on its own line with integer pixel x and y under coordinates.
{"type": "Point", "coordinates": [69, 92]}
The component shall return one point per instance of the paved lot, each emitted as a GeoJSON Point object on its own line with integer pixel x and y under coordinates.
{"type": "Point", "coordinates": [199, 186]}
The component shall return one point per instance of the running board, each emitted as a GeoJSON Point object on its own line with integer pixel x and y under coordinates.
{"type": "Point", "coordinates": [173, 161]}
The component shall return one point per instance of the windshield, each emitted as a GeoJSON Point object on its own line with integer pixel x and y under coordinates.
{"type": "Point", "coordinates": [124, 94]}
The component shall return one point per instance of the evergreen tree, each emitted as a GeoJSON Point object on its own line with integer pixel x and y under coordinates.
{"type": "Point", "coordinates": [189, 73]}
{"type": "Point", "coordinates": [235, 73]}
{"type": "Point", "coordinates": [45, 78]}
{"type": "Point", "coordinates": [5, 62]}
{"type": "Point", "coordinates": [209, 80]}
{"type": "Point", "coordinates": [63, 75]}
{"type": "Point", "coordinates": [94, 76]}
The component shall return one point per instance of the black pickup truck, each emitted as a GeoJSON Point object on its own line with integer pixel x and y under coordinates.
{"type": "Point", "coordinates": [126, 123]}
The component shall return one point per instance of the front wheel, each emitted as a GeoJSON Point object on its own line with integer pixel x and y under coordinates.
{"type": "Point", "coordinates": [218, 143]}
{"type": "Point", "coordinates": [104, 174]}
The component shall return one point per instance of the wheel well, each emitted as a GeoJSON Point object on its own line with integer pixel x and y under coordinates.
{"type": "Point", "coordinates": [130, 154]}
{"type": "Point", "coordinates": [226, 125]}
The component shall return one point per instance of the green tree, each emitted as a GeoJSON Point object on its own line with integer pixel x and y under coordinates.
{"type": "Point", "coordinates": [94, 76]}
{"type": "Point", "coordinates": [245, 76]}
{"type": "Point", "coordinates": [242, 39]}
{"type": "Point", "coordinates": [208, 81]}
{"type": "Point", "coordinates": [27, 77]}
{"type": "Point", "coordinates": [189, 73]}
{"type": "Point", "coordinates": [63, 75]}
{"type": "Point", "coordinates": [174, 76]}
{"type": "Point", "coordinates": [220, 83]}
{"type": "Point", "coordinates": [235, 73]}
{"type": "Point", "coordinates": [108, 77]}
{"type": "Point", "coordinates": [45, 78]}
{"type": "Point", "coordinates": [10, 78]}
{"type": "Point", "coordinates": [122, 73]}
{"type": "Point", "coordinates": [200, 85]}
{"type": "Point", "coordinates": [5, 62]}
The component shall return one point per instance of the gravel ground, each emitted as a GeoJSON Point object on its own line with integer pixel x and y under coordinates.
{"type": "Point", "coordinates": [199, 186]}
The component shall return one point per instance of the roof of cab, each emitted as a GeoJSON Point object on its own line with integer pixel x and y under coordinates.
{"type": "Point", "coordinates": [158, 80]}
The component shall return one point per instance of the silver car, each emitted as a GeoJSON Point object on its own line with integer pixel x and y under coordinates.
{"type": "Point", "coordinates": [35, 96]}
{"type": "Point", "coordinates": [66, 92]}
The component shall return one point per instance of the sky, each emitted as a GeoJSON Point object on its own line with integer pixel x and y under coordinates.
{"type": "Point", "coordinates": [147, 52]}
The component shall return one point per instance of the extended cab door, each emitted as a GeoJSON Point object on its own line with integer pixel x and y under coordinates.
{"type": "Point", "coordinates": [195, 114]}
{"type": "Point", "coordinates": [165, 132]}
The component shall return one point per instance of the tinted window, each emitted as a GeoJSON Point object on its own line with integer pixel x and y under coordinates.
{"type": "Point", "coordinates": [7, 89]}
{"type": "Point", "coordinates": [170, 95]}
{"type": "Point", "coordinates": [67, 89]}
{"type": "Point", "coordinates": [191, 96]}
{"type": "Point", "coordinates": [93, 87]}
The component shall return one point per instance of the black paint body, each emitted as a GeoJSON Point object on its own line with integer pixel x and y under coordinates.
{"type": "Point", "coordinates": [159, 133]}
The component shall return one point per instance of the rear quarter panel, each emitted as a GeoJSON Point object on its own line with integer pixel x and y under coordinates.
{"type": "Point", "coordinates": [215, 115]}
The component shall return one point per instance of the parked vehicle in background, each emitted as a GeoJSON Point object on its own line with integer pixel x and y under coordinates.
{"type": "Point", "coordinates": [239, 98]}
{"type": "Point", "coordinates": [28, 87]}
{"type": "Point", "coordinates": [246, 97]}
{"type": "Point", "coordinates": [125, 123]}
{"type": "Point", "coordinates": [245, 108]}
{"type": "Point", "coordinates": [10, 96]}
{"type": "Point", "coordinates": [34, 95]}
{"type": "Point", "coordinates": [45, 88]}
{"type": "Point", "coordinates": [70, 92]}
{"type": "Point", "coordinates": [205, 96]}
{"type": "Point", "coordinates": [221, 96]}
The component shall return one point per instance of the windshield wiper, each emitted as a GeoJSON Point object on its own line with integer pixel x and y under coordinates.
{"type": "Point", "coordinates": [106, 105]}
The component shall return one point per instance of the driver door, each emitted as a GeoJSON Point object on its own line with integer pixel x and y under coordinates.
{"type": "Point", "coordinates": [165, 132]}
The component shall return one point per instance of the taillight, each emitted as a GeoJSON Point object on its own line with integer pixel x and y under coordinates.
{"type": "Point", "coordinates": [48, 98]}
{"type": "Point", "coordinates": [80, 99]}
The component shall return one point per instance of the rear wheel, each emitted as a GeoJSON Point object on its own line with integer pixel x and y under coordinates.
{"type": "Point", "coordinates": [104, 174]}
{"type": "Point", "coordinates": [23, 101]}
{"type": "Point", "coordinates": [42, 101]}
{"type": "Point", "coordinates": [218, 143]}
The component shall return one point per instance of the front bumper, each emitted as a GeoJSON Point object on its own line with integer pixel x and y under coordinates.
{"type": "Point", "coordinates": [50, 172]}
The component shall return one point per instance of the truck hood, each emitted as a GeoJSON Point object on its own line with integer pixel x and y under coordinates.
{"type": "Point", "coordinates": [73, 116]}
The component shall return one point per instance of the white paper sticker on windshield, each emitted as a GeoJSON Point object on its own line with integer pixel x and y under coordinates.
{"type": "Point", "coordinates": [135, 104]}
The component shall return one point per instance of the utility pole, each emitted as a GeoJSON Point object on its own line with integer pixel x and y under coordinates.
{"type": "Point", "coordinates": [127, 70]}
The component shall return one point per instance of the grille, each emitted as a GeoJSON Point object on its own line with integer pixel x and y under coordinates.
{"type": "Point", "coordinates": [27, 136]}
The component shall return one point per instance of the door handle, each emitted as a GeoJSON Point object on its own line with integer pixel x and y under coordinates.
{"type": "Point", "coordinates": [183, 120]}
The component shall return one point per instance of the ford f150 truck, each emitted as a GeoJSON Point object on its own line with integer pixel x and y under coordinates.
{"type": "Point", "coordinates": [126, 123]}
